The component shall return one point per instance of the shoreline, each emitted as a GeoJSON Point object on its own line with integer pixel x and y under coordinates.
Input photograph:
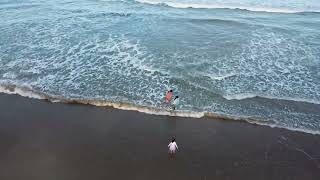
{"type": "Point", "coordinates": [44, 140]}
{"type": "Point", "coordinates": [30, 93]}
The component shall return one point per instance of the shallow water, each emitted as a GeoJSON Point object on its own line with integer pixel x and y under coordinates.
{"type": "Point", "coordinates": [259, 65]}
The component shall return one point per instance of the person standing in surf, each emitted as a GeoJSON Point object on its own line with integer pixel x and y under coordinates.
{"type": "Point", "coordinates": [173, 147]}
{"type": "Point", "coordinates": [175, 102]}
{"type": "Point", "coordinates": [168, 96]}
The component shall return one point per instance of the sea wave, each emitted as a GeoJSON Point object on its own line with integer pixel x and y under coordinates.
{"type": "Point", "coordinates": [26, 91]}
{"type": "Point", "coordinates": [201, 5]}
{"type": "Point", "coordinates": [244, 96]}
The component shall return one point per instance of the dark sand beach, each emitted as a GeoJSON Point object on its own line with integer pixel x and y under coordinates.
{"type": "Point", "coordinates": [40, 140]}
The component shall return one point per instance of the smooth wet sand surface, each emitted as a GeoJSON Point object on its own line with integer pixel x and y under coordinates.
{"type": "Point", "coordinates": [40, 140]}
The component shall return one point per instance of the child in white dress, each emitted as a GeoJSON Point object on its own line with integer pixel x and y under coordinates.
{"type": "Point", "coordinates": [173, 146]}
{"type": "Point", "coordinates": [175, 102]}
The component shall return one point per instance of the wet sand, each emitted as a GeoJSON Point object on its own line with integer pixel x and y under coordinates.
{"type": "Point", "coordinates": [40, 140]}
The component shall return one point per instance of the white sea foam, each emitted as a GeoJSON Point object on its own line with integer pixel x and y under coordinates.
{"type": "Point", "coordinates": [229, 5]}
{"type": "Point", "coordinates": [22, 91]}
{"type": "Point", "coordinates": [9, 75]}
{"type": "Point", "coordinates": [265, 68]}
{"type": "Point", "coordinates": [249, 96]}
{"type": "Point", "coordinates": [221, 77]}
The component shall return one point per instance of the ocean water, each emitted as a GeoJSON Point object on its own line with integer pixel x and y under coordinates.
{"type": "Point", "coordinates": [251, 59]}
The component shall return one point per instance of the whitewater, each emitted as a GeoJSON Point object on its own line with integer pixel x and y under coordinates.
{"type": "Point", "coordinates": [292, 6]}
{"type": "Point", "coordinates": [256, 61]}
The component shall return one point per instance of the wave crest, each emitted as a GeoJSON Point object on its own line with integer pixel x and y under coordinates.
{"type": "Point", "coordinates": [210, 5]}
{"type": "Point", "coordinates": [250, 96]}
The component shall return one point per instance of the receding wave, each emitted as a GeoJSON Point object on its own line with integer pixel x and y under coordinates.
{"type": "Point", "coordinates": [199, 5]}
{"type": "Point", "coordinates": [29, 92]}
{"type": "Point", "coordinates": [250, 96]}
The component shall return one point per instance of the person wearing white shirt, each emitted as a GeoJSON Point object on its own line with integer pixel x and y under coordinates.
{"type": "Point", "coordinates": [173, 147]}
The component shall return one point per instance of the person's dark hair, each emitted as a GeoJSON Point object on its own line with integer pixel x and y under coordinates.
{"type": "Point", "coordinates": [173, 139]}
{"type": "Point", "coordinates": [170, 90]}
{"type": "Point", "coordinates": [176, 97]}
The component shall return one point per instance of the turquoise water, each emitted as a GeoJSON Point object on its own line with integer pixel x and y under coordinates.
{"type": "Point", "coordinates": [256, 59]}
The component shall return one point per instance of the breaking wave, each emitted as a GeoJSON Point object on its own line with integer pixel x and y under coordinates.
{"type": "Point", "coordinates": [26, 91]}
{"type": "Point", "coordinates": [250, 96]}
{"type": "Point", "coordinates": [230, 5]}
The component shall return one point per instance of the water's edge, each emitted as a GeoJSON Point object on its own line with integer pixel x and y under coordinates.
{"type": "Point", "coordinates": [30, 93]}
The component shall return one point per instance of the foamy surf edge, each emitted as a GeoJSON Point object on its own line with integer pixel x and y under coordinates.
{"type": "Point", "coordinates": [30, 93]}
{"type": "Point", "coordinates": [244, 96]}
{"type": "Point", "coordinates": [220, 6]}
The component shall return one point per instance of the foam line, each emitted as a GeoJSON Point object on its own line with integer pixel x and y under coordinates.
{"type": "Point", "coordinates": [250, 96]}
{"type": "Point", "coordinates": [220, 6]}
{"type": "Point", "coordinates": [30, 93]}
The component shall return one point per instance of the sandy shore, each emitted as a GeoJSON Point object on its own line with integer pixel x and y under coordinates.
{"type": "Point", "coordinates": [55, 141]}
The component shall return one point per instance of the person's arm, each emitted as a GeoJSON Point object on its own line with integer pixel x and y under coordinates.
{"type": "Point", "coordinates": [176, 145]}
{"type": "Point", "coordinates": [169, 145]}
